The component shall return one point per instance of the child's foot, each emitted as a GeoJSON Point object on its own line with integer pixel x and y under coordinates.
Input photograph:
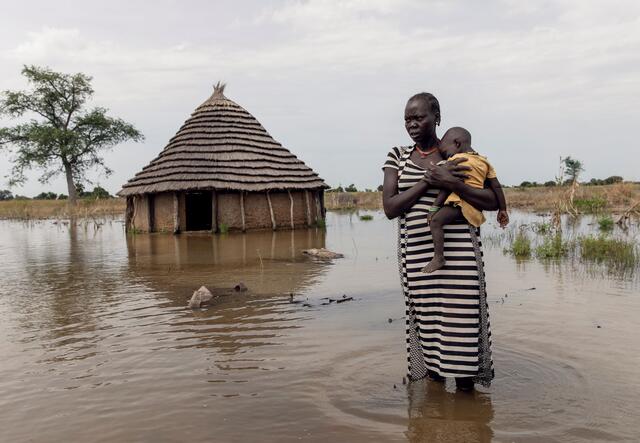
{"type": "Point", "coordinates": [435, 264]}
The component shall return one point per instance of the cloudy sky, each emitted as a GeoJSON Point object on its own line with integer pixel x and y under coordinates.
{"type": "Point", "coordinates": [531, 80]}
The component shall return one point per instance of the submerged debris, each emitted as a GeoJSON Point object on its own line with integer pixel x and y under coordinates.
{"type": "Point", "coordinates": [200, 297]}
{"type": "Point", "coordinates": [240, 287]}
{"type": "Point", "coordinates": [322, 253]}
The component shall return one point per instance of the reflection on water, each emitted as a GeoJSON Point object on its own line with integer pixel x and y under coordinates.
{"type": "Point", "coordinates": [439, 416]}
{"type": "Point", "coordinates": [267, 262]}
{"type": "Point", "coordinates": [98, 344]}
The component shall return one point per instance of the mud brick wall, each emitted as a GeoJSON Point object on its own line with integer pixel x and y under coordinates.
{"type": "Point", "coordinates": [163, 212]}
{"type": "Point", "coordinates": [229, 210]}
{"type": "Point", "coordinates": [140, 220]}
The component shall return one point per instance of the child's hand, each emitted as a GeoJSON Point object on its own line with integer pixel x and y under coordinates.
{"type": "Point", "coordinates": [503, 218]}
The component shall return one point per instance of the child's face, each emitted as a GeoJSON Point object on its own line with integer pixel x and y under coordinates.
{"type": "Point", "coordinates": [449, 147]}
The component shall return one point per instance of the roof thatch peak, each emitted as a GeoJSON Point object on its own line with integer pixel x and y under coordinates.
{"type": "Point", "coordinates": [218, 98]}
{"type": "Point", "coordinates": [218, 91]}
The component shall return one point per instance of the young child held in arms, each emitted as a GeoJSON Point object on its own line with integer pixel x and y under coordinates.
{"type": "Point", "coordinates": [447, 207]}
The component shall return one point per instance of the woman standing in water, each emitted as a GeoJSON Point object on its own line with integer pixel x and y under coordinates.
{"type": "Point", "coordinates": [448, 333]}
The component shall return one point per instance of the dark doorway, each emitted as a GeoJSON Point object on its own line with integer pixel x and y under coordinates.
{"type": "Point", "coordinates": [198, 210]}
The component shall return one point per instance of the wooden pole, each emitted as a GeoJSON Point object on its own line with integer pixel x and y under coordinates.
{"type": "Point", "coordinates": [323, 210]}
{"type": "Point", "coordinates": [242, 210]}
{"type": "Point", "coordinates": [306, 198]}
{"type": "Point", "coordinates": [214, 211]}
{"type": "Point", "coordinates": [128, 214]}
{"type": "Point", "coordinates": [136, 201]}
{"type": "Point", "coordinates": [273, 217]}
{"type": "Point", "coordinates": [150, 212]}
{"type": "Point", "coordinates": [176, 213]}
{"type": "Point", "coordinates": [291, 207]}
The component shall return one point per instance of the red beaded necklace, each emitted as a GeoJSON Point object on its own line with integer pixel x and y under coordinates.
{"type": "Point", "coordinates": [423, 154]}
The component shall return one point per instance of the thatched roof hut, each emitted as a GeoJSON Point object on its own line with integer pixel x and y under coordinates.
{"type": "Point", "coordinates": [223, 171]}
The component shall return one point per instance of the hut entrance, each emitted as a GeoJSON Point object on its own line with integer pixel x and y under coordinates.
{"type": "Point", "coordinates": [198, 210]}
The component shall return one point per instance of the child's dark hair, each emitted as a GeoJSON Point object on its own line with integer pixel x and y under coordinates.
{"type": "Point", "coordinates": [431, 100]}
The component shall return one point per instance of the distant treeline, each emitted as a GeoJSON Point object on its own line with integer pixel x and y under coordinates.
{"type": "Point", "coordinates": [525, 184]}
{"type": "Point", "coordinates": [593, 182]}
{"type": "Point", "coordinates": [352, 188]}
{"type": "Point", "coordinates": [97, 193]}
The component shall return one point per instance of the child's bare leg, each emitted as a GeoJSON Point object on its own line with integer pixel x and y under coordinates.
{"type": "Point", "coordinates": [446, 215]}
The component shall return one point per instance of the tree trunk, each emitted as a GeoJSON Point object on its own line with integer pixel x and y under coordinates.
{"type": "Point", "coordinates": [71, 186]}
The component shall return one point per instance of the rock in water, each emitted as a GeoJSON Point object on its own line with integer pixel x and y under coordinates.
{"type": "Point", "coordinates": [200, 297]}
{"type": "Point", "coordinates": [322, 253]}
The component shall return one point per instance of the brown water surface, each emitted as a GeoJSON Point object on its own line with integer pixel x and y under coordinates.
{"type": "Point", "coordinates": [97, 344]}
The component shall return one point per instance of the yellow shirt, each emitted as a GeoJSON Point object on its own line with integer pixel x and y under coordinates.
{"type": "Point", "coordinates": [480, 170]}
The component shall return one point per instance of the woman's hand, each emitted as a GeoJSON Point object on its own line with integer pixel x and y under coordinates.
{"type": "Point", "coordinates": [448, 175]}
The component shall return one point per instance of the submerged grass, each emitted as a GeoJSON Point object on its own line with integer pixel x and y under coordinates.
{"type": "Point", "coordinates": [545, 241]}
{"type": "Point", "coordinates": [366, 217]}
{"type": "Point", "coordinates": [590, 205]}
{"type": "Point", "coordinates": [521, 245]}
{"type": "Point", "coordinates": [553, 246]}
{"type": "Point", "coordinates": [605, 223]}
{"type": "Point", "coordinates": [609, 250]}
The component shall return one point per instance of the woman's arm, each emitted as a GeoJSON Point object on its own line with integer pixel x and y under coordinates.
{"type": "Point", "coordinates": [395, 203]}
{"type": "Point", "coordinates": [446, 177]}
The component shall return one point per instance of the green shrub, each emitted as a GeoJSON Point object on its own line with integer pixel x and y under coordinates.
{"type": "Point", "coordinates": [351, 188]}
{"type": "Point", "coordinates": [223, 228]}
{"type": "Point", "coordinates": [321, 223]}
{"type": "Point", "coordinates": [46, 196]}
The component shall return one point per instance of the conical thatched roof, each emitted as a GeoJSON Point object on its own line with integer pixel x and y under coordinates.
{"type": "Point", "coordinates": [222, 146]}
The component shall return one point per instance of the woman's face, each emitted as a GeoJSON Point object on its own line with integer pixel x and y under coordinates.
{"type": "Point", "coordinates": [419, 120]}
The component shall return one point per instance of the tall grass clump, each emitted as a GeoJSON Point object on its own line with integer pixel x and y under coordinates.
{"type": "Point", "coordinates": [61, 209]}
{"type": "Point", "coordinates": [366, 217]}
{"type": "Point", "coordinates": [605, 223]}
{"type": "Point", "coordinates": [593, 204]}
{"type": "Point", "coordinates": [553, 246]}
{"type": "Point", "coordinates": [613, 251]}
{"type": "Point", "coordinates": [521, 246]}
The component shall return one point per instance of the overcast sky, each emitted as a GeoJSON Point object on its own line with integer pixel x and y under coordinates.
{"type": "Point", "coordinates": [531, 80]}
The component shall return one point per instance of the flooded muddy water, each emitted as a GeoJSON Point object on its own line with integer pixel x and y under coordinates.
{"type": "Point", "coordinates": [97, 344]}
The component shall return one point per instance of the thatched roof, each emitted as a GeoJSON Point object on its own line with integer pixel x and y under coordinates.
{"type": "Point", "coordinates": [222, 146]}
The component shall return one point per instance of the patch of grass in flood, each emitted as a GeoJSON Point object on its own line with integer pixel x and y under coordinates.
{"type": "Point", "coordinates": [542, 228]}
{"type": "Point", "coordinates": [553, 246]}
{"type": "Point", "coordinates": [590, 205]}
{"type": "Point", "coordinates": [366, 217]}
{"type": "Point", "coordinates": [61, 209]}
{"type": "Point", "coordinates": [605, 223]}
{"type": "Point", "coordinates": [521, 246]}
{"type": "Point", "coordinates": [612, 251]}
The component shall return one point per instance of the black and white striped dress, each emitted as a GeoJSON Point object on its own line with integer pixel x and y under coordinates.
{"type": "Point", "coordinates": [447, 316]}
